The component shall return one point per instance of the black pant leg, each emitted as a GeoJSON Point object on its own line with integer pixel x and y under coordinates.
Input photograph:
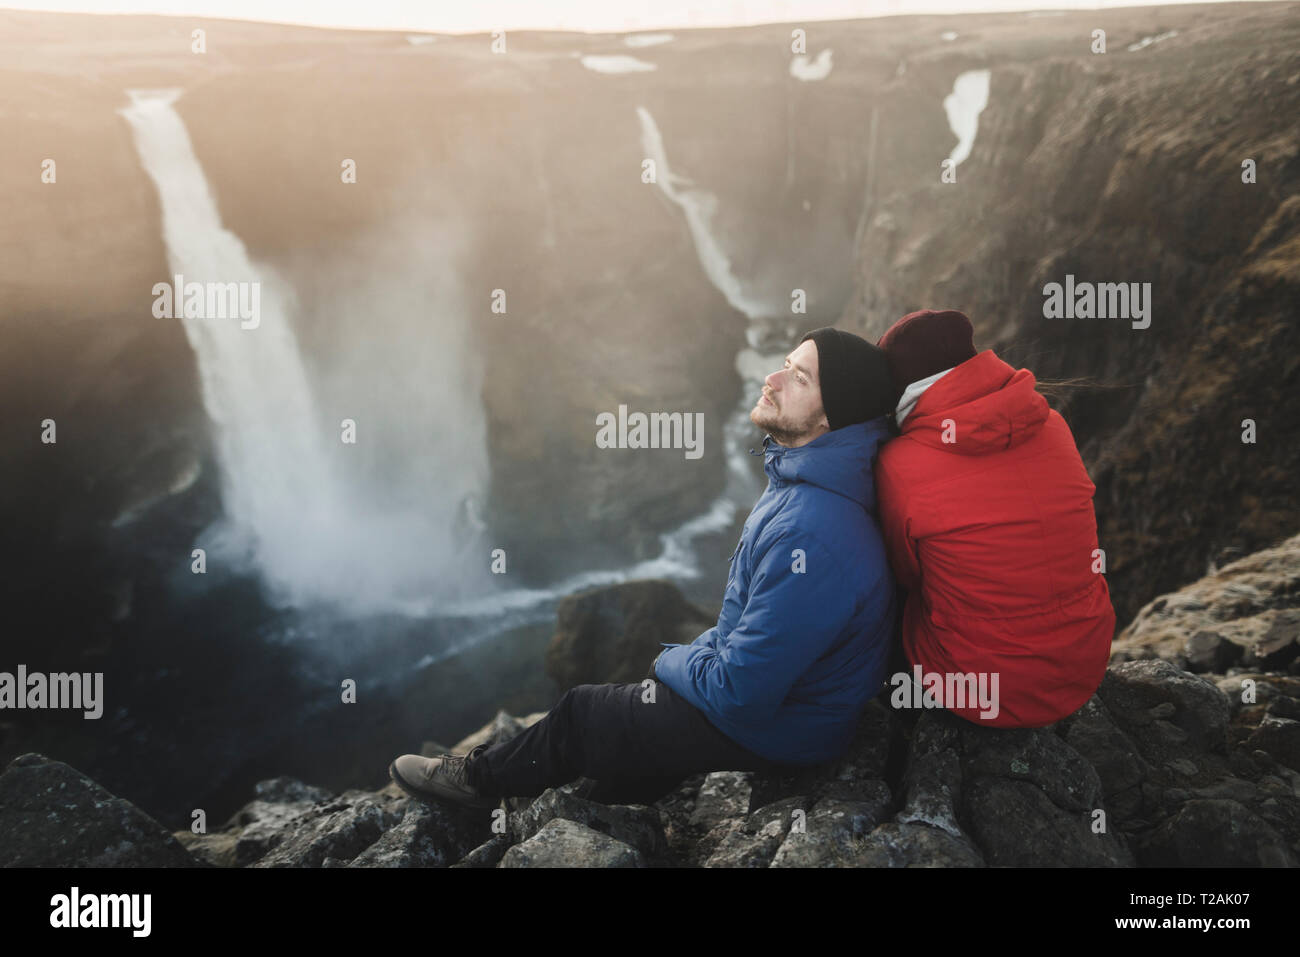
{"type": "Point", "coordinates": [632, 738]}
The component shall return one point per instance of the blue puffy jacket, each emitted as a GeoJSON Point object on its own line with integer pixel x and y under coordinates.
{"type": "Point", "coordinates": [803, 639]}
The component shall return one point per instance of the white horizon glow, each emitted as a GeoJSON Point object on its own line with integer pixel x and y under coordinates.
{"type": "Point", "coordinates": [589, 16]}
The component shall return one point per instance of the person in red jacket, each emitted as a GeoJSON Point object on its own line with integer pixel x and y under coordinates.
{"type": "Point", "coordinates": [987, 515]}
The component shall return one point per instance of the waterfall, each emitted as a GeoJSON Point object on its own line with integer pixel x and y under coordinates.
{"type": "Point", "coordinates": [764, 336]}
{"type": "Point", "coordinates": [699, 207]}
{"type": "Point", "coordinates": [366, 528]}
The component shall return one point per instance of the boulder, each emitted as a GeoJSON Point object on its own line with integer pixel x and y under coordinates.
{"type": "Point", "coordinates": [261, 824]}
{"type": "Point", "coordinates": [1168, 712]}
{"type": "Point", "coordinates": [1209, 832]}
{"type": "Point", "coordinates": [341, 829]}
{"type": "Point", "coordinates": [635, 825]}
{"type": "Point", "coordinates": [754, 840]}
{"type": "Point", "coordinates": [915, 845]}
{"type": "Point", "coordinates": [1247, 612]}
{"type": "Point", "coordinates": [563, 843]}
{"type": "Point", "coordinates": [52, 815]}
{"type": "Point", "coordinates": [723, 795]}
{"type": "Point", "coordinates": [502, 727]}
{"type": "Point", "coordinates": [612, 634]}
{"type": "Point", "coordinates": [832, 834]}
{"type": "Point", "coordinates": [487, 854]}
{"type": "Point", "coordinates": [429, 835]}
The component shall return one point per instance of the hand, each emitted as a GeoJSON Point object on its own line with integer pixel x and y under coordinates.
{"type": "Point", "coordinates": [651, 673]}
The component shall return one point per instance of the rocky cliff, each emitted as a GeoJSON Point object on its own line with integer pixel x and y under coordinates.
{"type": "Point", "coordinates": [522, 172]}
{"type": "Point", "coordinates": [1119, 167]}
{"type": "Point", "coordinates": [1164, 766]}
{"type": "Point", "coordinates": [480, 171]}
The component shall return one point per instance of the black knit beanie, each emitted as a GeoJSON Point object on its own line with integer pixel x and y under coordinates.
{"type": "Point", "coordinates": [854, 375]}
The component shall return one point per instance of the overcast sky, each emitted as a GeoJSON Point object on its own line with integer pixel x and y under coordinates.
{"type": "Point", "coordinates": [614, 16]}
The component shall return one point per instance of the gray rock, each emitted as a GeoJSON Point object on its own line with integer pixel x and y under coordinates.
{"type": "Point", "coordinates": [634, 824]}
{"type": "Point", "coordinates": [724, 794]}
{"type": "Point", "coordinates": [341, 829]}
{"type": "Point", "coordinates": [1214, 833]}
{"type": "Point", "coordinates": [1035, 756]}
{"type": "Point", "coordinates": [487, 854]}
{"type": "Point", "coordinates": [833, 834]}
{"type": "Point", "coordinates": [500, 729]}
{"type": "Point", "coordinates": [1276, 648]}
{"type": "Point", "coordinates": [1230, 788]}
{"type": "Point", "coordinates": [1015, 824]}
{"type": "Point", "coordinates": [753, 842]}
{"type": "Point", "coordinates": [1243, 612]}
{"type": "Point", "coordinates": [563, 843]}
{"type": "Point", "coordinates": [1112, 754]}
{"type": "Point", "coordinates": [52, 815]}
{"type": "Point", "coordinates": [215, 849]}
{"type": "Point", "coordinates": [1284, 706]}
{"type": "Point", "coordinates": [931, 784]}
{"type": "Point", "coordinates": [1131, 689]}
{"type": "Point", "coordinates": [1210, 651]}
{"type": "Point", "coordinates": [613, 633]}
{"type": "Point", "coordinates": [285, 790]}
{"type": "Point", "coordinates": [867, 755]}
{"type": "Point", "coordinates": [259, 826]}
{"type": "Point", "coordinates": [915, 845]}
{"type": "Point", "coordinates": [1165, 709]}
{"type": "Point", "coordinates": [430, 835]}
{"type": "Point", "coordinates": [1280, 738]}
{"type": "Point", "coordinates": [1266, 689]}
{"type": "Point", "coordinates": [932, 778]}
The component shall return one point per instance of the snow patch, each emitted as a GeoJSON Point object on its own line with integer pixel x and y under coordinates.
{"type": "Point", "coordinates": [801, 68]}
{"type": "Point", "coordinates": [969, 96]}
{"type": "Point", "coordinates": [616, 64]}
{"type": "Point", "coordinates": [647, 39]}
{"type": "Point", "coordinates": [1147, 41]}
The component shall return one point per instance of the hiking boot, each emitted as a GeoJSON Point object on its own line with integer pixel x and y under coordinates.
{"type": "Point", "coordinates": [440, 779]}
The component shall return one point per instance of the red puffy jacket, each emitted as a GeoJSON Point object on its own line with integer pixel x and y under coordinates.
{"type": "Point", "coordinates": [987, 514]}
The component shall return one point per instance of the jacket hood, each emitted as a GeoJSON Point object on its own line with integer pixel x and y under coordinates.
{"type": "Point", "coordinates": [840, 460]}
{"type": "Point", "coordinates": [991, 405]}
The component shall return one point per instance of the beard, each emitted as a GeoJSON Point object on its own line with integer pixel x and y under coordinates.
{"type": "Point", "coordinates": [784, 432]}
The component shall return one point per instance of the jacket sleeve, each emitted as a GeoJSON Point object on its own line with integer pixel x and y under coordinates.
{"type": "Point", "coordinates": [791, 618]}
{"type": "Point", "coordinates": [708, 639]}
{"type": "Point", "coordinates": [895, 529]}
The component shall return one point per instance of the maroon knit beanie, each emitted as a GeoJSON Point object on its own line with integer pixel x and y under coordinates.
{"type": "Point", "coordinates": [925, 342]}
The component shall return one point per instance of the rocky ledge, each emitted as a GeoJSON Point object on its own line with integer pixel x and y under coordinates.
{"type": "Point", "coordinates": [1187, 755]}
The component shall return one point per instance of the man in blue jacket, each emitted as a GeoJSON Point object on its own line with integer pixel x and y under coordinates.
{"type": "Point", "coordinates": [800, 647]}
